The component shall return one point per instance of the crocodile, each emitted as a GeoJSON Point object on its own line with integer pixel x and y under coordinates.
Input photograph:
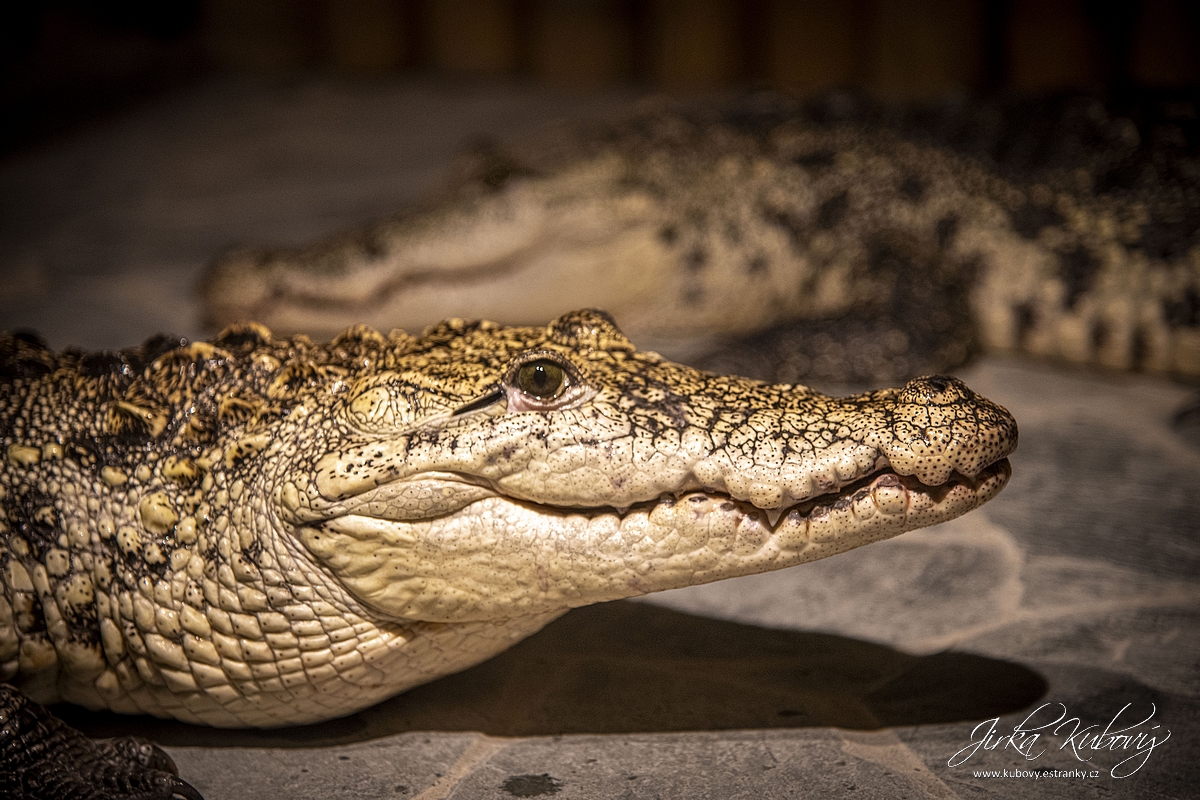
{"type": "Point", "coordinates": [262, 531]}
{"type": "Point", "coordinates": [830, 241]}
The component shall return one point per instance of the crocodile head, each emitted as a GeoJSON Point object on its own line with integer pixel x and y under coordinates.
{"type": "Point", "coordinates": [267, 531]}
{"type": "Point", "coordinates": [560, 232]}
{"type": "Point", "coordinates": [489, 472]}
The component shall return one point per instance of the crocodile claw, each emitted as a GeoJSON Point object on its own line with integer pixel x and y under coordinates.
{"type": "Point", "coordinates": [43, 758]}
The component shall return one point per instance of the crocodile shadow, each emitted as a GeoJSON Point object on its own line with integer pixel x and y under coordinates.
{"type": "Point", "coordinates": [638, 668]}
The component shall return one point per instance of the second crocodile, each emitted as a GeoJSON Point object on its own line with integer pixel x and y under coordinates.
{"type": "Point", "coordinates": [833, 241]}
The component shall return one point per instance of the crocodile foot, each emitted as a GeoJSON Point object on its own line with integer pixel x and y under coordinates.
{"type": "Point", "coordinates": [43, 758]}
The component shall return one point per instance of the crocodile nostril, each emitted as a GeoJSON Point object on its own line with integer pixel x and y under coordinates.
{"type": "Point", "coordinates": [936, 390]}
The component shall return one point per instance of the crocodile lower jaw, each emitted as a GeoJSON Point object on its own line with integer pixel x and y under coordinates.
{"type": "Point", "coordinates": [500, 558]}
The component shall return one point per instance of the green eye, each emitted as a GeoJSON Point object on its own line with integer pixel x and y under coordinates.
{"type": "Point", "coordinates": [542, 379]}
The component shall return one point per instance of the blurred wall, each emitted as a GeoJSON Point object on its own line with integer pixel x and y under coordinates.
{"type": "Point", "coordinates": [897, 47]}
{"type": "Point", "coordinates": [62, 59]}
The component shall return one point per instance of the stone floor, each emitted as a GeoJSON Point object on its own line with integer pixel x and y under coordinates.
{"type": "Point", "coordinates": [1068, 607]}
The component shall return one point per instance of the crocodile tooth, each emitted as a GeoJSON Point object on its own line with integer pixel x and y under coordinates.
{"type": "Point", "coordinates": [773, 515]}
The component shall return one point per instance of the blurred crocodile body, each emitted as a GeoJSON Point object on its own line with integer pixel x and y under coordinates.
{"type": "Point", "coordinates": [835, 240]}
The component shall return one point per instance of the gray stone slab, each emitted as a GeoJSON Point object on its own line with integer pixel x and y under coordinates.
{"type": "Point", "coordinates": [747, 765]}
{"type": "Point", "coordinates": [396, 767]}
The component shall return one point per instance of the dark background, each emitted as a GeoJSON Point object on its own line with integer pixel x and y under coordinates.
{"type": "Point", "coordinates": [65, 62]}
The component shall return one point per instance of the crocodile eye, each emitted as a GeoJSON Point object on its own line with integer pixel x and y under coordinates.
{"type": "Point", "coordinates": [544, 381]}
{"type": "Point", "coordinates": [541, 379]}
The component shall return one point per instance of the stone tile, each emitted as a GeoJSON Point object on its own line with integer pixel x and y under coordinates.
{"type": "Point", "coordinates": [396, 767]}
{"type": "Point", "coordinates": [1101, 471]}
{"type": "Point", "coordinates": [702, 766]}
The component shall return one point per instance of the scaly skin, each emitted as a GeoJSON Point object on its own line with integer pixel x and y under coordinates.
{"type": "Point", "coordinates": [818, 243]}
{"type": "Point", "coordinates": [264, 531]}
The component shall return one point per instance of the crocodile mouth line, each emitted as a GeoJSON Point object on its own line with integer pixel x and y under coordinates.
{"type": "Point", "coordinates": [887, 491]}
